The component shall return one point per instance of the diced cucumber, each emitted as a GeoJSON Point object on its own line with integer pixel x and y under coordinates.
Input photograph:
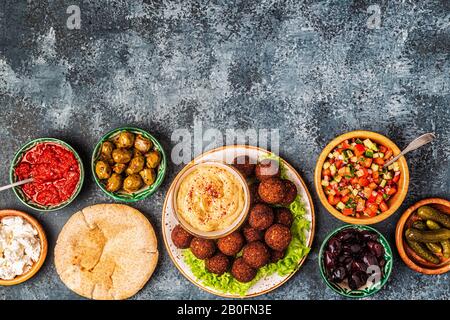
{"type": "Point", "coordinates": [355, 192]}
{"type": "Point", "coordinates": [340, 205]}
{"type": "Point", "coordinates": [396, 166]}
{"type": "Point", "coordinates": [325, 183]}
{"type": "Point", "coordinates": [337, 178]}
{"type": "Point", "coordinates": [349, 153]}
{"type": "Point", "coordinates": [358, 141]}
{"type": "Point", "coordinates": [336, 154]}
{"type": "Point", "coordinates": [369, 144]}
{"type": "Point", "coordinates": [333, 169]}
{"type": "Point", "coordinates": [332, 183]}
{"type": "Point", "coordinates": [350, 188]}
{"type": "Point", "coordinates": [385, 196]}
{"type": "Point", "coordinates": [383, 183]}
{"type": "Point", "coordinates": [354, 159]}
{"type": "Point", "coordinates": [380, 155]}
{"type": "Point", "coordinates": [376, 155]}
{"type": "Point", "coordinates": [387, 176]}
{"type": "Point", "coordinates": [326, 165]}
{"type": "Point", "coordinates": [332, 192]}
{"type": "Point", "coordinates": [374, 167]}
{"type": "Point", "coordinates": [391, 167]}
{"type": "Point", "coordinates": [360, 173]}
{"type": "Point", "coordinates": [330, 155]}
{"type": "Point", "coordinates": [369, 153]}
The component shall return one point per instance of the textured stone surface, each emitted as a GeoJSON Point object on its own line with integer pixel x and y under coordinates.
{"type": "Point", "coordinates": [311, 69]}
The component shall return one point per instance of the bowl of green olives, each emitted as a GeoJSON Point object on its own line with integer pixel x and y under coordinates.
{"type": "Point", "coordinates": [128, 164]}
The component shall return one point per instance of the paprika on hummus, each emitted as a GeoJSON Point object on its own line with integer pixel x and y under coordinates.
{"type": "Point", "coordinates": [210, 198]}
{"type": "Point", "coordinates": [55, 172]}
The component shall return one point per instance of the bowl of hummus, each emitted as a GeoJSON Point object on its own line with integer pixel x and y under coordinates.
{"type": "Point", "coordinates": [211, 199]}
{"type": "Point", "coordinates": [23, 247]}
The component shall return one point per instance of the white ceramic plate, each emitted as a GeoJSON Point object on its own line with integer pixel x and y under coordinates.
{"type": "Point", "coordinates": [227, 154]}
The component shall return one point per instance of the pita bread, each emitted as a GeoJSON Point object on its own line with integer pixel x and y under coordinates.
{"type": "Point", "coordinates": [106, 251]}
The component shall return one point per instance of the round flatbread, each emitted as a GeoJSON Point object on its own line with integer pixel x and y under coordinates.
{"type": "Point", "coordinates": [106, 251]}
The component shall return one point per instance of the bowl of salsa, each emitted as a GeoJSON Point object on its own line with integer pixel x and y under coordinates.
{"type": "Point", "coordinates": [57, 173]}
{"type": "Point", "coordinates": [352, 182]}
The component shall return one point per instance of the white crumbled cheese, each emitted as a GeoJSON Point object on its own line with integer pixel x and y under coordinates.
{"type": "Point", "coordinates": [20, 247]}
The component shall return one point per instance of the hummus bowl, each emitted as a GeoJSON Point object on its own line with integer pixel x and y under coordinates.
{"type": "Point", "coordinates": [211, 199]}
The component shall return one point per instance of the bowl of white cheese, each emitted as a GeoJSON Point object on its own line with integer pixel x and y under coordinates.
{"type": "Point", "coordinates": [23, 247]}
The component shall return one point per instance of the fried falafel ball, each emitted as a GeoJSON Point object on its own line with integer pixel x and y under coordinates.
{"type": "Point", "coordinates": [202, 248]}
{"type": "Point", "coordinates": [231, 244]}
{"type": "Point", "coordinates": [254, 195]}
{"type": "Point", "coordinates": [267, 168]}
{"type": "Point", "coordinates": [284, 216]}
{"type": "Point", "coordinates": [251, 234]}
{"type": "Point", "coordinates": [272, 190]}
{"type": "Point", "coordinates": [125, 140]}
{"type": "Point", "coordinates": [261, 216]}
{"type": "Point", "coordinates": [290, 192]}
{"type": "Point", "coordinates": [217, 264]}
{"type": "Point", "coordinates": [244, 165]}
{"type": "Point", "coordinates": [241, 271]}
{"type": "Point", "coordinates": [278, 237]}
{"type": "Point", "coordinates": [276, 255]}
{"type": "Point", "coordinates": [181, 238]}
{"type": "Point", "coordinates": [256, 254]}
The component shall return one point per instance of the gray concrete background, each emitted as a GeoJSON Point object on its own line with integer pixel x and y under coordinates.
{"type": "Point", "coordinates": [311, 69]}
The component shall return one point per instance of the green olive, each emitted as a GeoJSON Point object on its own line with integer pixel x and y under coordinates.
{"type": "Point", "coordinates": [121, 155]}
{"type": "Point", "coordinates": [153, 159]}
{"type": "Point", "coordinates": [102, 170]}
{"type": "Point", "coordinates": [148, 175]}
{"type": "Point", "coordinates": [119, 167]}
{"type": "Point", "coordinates": [114, 183]}
{"type": "Point", "coordinates": [136, 165]}
{"type": "Point", "coordinates": [125, 140]}
{"type": "Point", "coordinates": [142, 144]}
{"type": "Point", "coordinates": [107, 149]}
{"type": "Point", "coordinates": [132, 183]}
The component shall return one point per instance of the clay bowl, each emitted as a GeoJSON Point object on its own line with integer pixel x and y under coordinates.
{"type": "Point", "coordinates": [411, 259]}
{"type": "Point", "coordinates": [43, 240]}
{"type": "Point", "coordinates": [393, 203]}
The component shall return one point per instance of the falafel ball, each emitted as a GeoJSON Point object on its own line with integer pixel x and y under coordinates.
{"type": "Point", "coordinates": [245, 165]}
{"type": "Point", "coordinates": [254, 195]}
{"type": "Point", "coordinates": [284, 216]}
{"type": "Point", "coordinates": [256, 254]}
{"type": "Point", "coordinates": [251, 234]}
{"type": "Point", "coordinates": [272, 190]}
{"type": "Point", "coordinates": [261, 216]}
{"type": "Point", "coordinates": [217, 264]}
{"type": "Point", "coordinates": [241, 271]}
{"type": "Point", "coordinates": [278, 237]}
{"type": "Point", "coordinates": [276, 255]}
{"type": "Point", "coordinates": [267, 168]}
{"type": "Point", "coordinates": [202, 248]}
{"type": "Point", "coordinates": [181, 238]}
{"type": "Point", "coordinates": [231, 244]}
{"type": "Point", "coordinates": [290, 192]}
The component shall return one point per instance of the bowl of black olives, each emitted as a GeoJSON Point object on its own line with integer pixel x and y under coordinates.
{"type": "Point", "coordinates": [128, 164]}
{"type": "Point", "coordinates": [355, 261]}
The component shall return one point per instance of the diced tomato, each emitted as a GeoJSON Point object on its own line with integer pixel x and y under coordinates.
{"type": "Point", "coordinates": [333, 200]}
{"type": "Point", "coordinates": [390, 191]}
{"type": "Point", "coordinates": [373, 185]}
{"type": "Point", "coordinates": [346, 145]}
{"type": "Point", "coordinates": [388, 154]}
{"type": "Point", "coordinates": [344, 199]}
{"type": "Point", "coordinates": [354, 180]}
{"type": "Point", "coordinates": [345, 191]}
{"type": "Point", "coordinates": [363, 182]}
{"type": "Point", "coordinates": [347, 211]}
{"type": "Point", "coordinates": [326, 172]}
{"type": "Point", "coordinates": [382, 149]}
{"type": "Point", "coordinates": [396, 177]}
{"type": "Point", "coordinates": [373, 197]}
{"type": "Point", "coordinates": [341, 171]}
{"type": "Point", "coordinates": [375, 175]}
{"type": "Point", "coordinates": [379, 161]}
{"type": "Point", "coordinates": [359, 150]}
{"type": "Point", "coordinates": [367, 162]}
{"type": "Point", "coordinates": [367, 192]}
{"type": "Point", "coordinates": [379, 198]}
{"type": "Point", "coordinates": [383, 206]}
{"type": "Point", "coordinates": [338, 164]}
{"type": "Point", "coordinates": [360, 205]}
{"type": "Point", "coordinates": [373, 207]}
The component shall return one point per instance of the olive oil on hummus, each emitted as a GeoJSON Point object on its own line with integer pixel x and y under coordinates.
{"type": "Point", "coordinates": [210, 198]}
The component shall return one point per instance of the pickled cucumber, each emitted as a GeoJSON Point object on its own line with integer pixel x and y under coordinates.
{"type": "Point", "coordinates": [429, 213]}
{"type": "Point", "coordinates": [432, 225]}
{"type": "Point", "coordinates": [420, 225]}
{"type": "Point", "coordinates": [434, 247]}
{"type": "Point", "coordinates": [427, 236]}
{"type": "Point", "coordinates": [444, 244]}
{"type": "Point", "coordinates": [422, 251]}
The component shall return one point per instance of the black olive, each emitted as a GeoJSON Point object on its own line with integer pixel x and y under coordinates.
{"type": "Point", "coordinates": [330, 261]}
{"type": "Point", "coordinates": [338, 274]}
{"type": "Point", "coordinates": [334, 245]}
{"type": "Point", "coordinates": [370, 260]}
{"type": "Point", "coordinates": [376, 248]}
{"type": "Point", "coordinates": [357, 280]}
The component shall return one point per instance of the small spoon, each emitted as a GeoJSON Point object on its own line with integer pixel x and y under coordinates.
{"type": "Point", "coordinates": [416, 143]}
{"type": "Point", "coordinates": [15, 184]}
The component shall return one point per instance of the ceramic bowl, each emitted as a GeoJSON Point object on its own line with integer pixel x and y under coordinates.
{"type": "Point", "coordinates": [368, 289]}
{"type": "Point", "coordinates": [43, 241]}
{"type": "Point", "coordinates": [408, 256]}
{"type": "Point", "coordinates": [18, 190]}
{"type": "Point", "coordinates": [145, 191]}
{"type": "Point", "coordinates": [219, 233]}
{"type": "Point", "coordinates": [393, 203]}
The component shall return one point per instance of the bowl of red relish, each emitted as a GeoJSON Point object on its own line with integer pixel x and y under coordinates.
{"type": "Point", "coordinates": [352, 182]}
{"type": "Point", "coordinates": [57, 172]}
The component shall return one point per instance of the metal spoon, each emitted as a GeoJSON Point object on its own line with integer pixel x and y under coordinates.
{"type": "Point", "coordinates": [15, 184]}
{"type": "Point", "coordinates": [416, 143]}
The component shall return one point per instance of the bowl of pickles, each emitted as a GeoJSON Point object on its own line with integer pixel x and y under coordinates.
{"type": "Point", "coordinates": [128, 164]}
{"type": "Point", "coordinates": [423, 236]}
